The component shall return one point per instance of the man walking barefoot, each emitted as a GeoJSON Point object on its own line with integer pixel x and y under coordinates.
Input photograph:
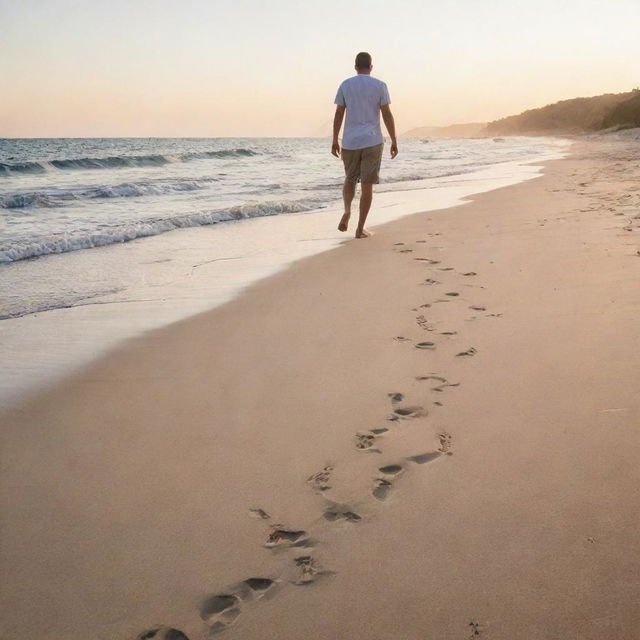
{"type": "Point", "coordinates": [363, 98]}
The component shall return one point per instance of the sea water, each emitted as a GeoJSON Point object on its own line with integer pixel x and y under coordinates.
{"type": "Point", "coordinates": [103, 239]}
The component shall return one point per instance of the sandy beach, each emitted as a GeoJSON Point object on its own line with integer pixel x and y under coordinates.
{"type": "Point", "coordinates": [430, 434]}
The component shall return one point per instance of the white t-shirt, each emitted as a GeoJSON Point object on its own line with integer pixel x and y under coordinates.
{"type": "Point", "coordinates": [363, 96]}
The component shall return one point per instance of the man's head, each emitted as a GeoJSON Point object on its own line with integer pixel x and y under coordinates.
{"type": "Point", "coordinates": [363, 62]}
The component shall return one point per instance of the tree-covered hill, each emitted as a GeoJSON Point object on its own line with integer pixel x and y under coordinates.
{"type": "Point", "coordinates": [577, 115]}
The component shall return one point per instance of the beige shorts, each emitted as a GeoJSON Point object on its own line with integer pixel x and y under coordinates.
{"type": "Point", "coordinates": [363, 164]}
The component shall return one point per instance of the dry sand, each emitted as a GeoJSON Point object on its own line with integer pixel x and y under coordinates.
{"type": "Point", "coordinates": [498, 496]}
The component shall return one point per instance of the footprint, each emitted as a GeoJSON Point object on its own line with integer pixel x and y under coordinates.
{"type": "Point", "coordinates": [162, 633]}
{"type": "Point", "coordinates": [320, 481]}
{"type": "Point", "coordinates": [405, 251]}
{"type": "Point", "coordinates": [423, 323]}
{"type": "Point", "coordinates": [335, 511]}
{"type": "Point", "coordinates": [365, 442]}
{"type": "Point", "coordinates": [259, 586]}
{"type": "Point", "coordinates": [448, 333]}
{"type": "Point", "coordinates": [442, 387]}
{"type": "Point", "coordinates": [431, 281]}
{"type": "Point", "coordinates": [396, 397]}
{"type": "Point", "coordinates": [445, 443]}
{"type": "Point", "coordinates": [470, 273]}
{"type": "Point", "coordinates": [425, 345]}
{"type": "Point", "coordinates": [401, 339]}
{"type": "Point", "coordinates": [477, 307]}
{"type": "Point", "coordinates": [475, 629]}
{"type": "Point", "coordinates": [424, 457]}
{"type": "Point", "coordinates": [420, 241]}
{"type": "Point", "coordinates": [409, 412]}
{"type": "Point", "coordinates": [398, 244]}
{"type": "Point", "coordinates": [382, 485]}
{"type": "Point", "coordinates": [391, 469]}
{"type": "Point", "coordinates": [379, 431]}
{"type": "Point", "coordinates": [432, 377]}
{"type": "Point", "coordinates": [381, 488]}
{"type": "Point", "coordinates": [429, 260]}
{"type": "Point", "coordinates": [349, 516]}
{"type": "Point", "coordinates": [469, 352]}
{"type": "Point", "coordinates": [307, 570]}
{"type": "Point", "coordinates": [452, 293]}
{"type": "Point", "coordinates": [445, 269]}
{"type": "Point", "coordinates": [443, 382]}
{"type": "Point", "coordinates": [214, 605]}
{"type": "Point", "coordinates": [220, 611]}
{"type": "Point", "coordinates": [280, 537]}
{"type": "Point", "coordinates": [259, 513]}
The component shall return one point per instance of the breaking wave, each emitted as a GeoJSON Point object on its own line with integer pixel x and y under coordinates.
{"type": "Point", "coordinates": [53, 197]}
{"type": "Point", "coordinates": [119, 162]}
{"type": "Point", "coordinates": [75, 240]}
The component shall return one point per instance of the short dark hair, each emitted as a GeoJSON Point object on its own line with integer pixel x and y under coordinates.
{"type": "Point", "coordinates": [363, 60]}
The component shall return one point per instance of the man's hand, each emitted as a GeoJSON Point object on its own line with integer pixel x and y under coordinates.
{"type": "Point", "coordinates": [389, 122]}
{"type": "Point", "coordinates": [335, 149]}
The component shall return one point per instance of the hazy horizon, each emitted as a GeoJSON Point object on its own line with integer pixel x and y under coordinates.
{"type": "Point", "coordinates": [251, 69]}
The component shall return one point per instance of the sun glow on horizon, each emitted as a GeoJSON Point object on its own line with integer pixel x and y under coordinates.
{"type": "Point", "coordinates": [143, 68]}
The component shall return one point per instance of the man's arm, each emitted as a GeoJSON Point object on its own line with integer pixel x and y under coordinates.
{"type": "Point", "coordinates": [337, 124]}
{"type": "Point", "coordinates": [387, 116]}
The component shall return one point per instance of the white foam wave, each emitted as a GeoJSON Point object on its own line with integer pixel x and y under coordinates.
{"type": "Point", "coordinates": [119, 162]}
{"type": "Point", "coordinates": [74, 241]}
{"type": "Point", "coordinates": [52, 197]}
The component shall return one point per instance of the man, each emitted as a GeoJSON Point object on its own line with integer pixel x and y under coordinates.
{"type": "Point", "coordinates": [363, 98]}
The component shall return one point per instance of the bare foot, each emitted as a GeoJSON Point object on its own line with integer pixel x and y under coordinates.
{"type": "Point", "coordinates": [344, 222]}
{"type": "Point", "coordinates": [362, 233]}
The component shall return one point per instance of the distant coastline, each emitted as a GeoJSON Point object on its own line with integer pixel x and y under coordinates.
{"type": "Point", "coordinates": [606, 112]}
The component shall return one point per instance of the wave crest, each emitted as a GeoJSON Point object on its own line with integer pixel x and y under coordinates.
{"type": "Point", "coordinates": [62, 243]}
{"type": "Point", "coordinates": [119, 162]}
{"type": "Point", "coordinates": [58, 197]}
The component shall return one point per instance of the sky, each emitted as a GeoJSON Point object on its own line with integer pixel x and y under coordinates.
{"type": "Point", "coordinates": [102, 68]}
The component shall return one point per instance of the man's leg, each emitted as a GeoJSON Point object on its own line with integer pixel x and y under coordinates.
{"type": "Point", "coordinates": [348, 191]}
{"type": "Point", "coordinates": [369, 175]}
{"type": "Point", "coordinates": [366, 196]}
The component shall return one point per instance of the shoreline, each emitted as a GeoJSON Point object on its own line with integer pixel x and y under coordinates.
{"type": "Point", "coordinates": [490, 499]}
{"type": "Point", "coordinates": [186, 272]}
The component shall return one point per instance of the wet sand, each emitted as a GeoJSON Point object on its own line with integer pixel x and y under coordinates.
{"type": "Point", "coordinates": [431, 433]}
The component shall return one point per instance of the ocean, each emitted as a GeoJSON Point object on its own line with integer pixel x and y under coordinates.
{"type": "Point", "coordinates": [103, 239]}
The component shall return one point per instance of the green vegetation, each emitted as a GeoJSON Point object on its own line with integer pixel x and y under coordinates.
{"type": "Point", "coordinates": [626, 113]}
{"type": "Point", "coordinates": [578, 115]}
